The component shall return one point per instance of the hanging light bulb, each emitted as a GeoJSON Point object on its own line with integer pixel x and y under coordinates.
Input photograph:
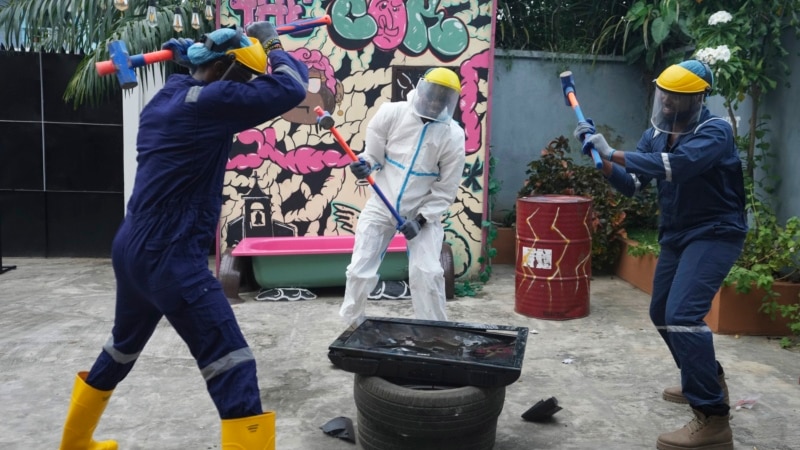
{"type": "Point", "coordinates": [195, 19]}
{"type": "Point", "coordinates": [152, 13]}
{"type": "Point", "coordinates": [209, 12]}
{"type": "Point", "coordinates": [121, 5]}
{"type": "Point", "coordinates": [177, 21]}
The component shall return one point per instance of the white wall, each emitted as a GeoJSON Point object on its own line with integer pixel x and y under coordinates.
{"type": "Point", "coordinates": [528, 109]}
{"type": "Point", "coordinates": [133, 102]}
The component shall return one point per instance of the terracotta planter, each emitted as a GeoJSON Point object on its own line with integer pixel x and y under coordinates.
{"type": "Point", "coordinates": [506, 245]}
{"type": "Point", "coordinates": [735, 313]}
{"type": "Point", "coordinates": [636, 270]}
{"type": "Point", "coordinates": [731, 312]}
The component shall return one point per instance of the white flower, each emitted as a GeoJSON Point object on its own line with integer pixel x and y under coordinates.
{"type": "Point", "coordinates": [720, 17]}
{"type": "Point", "coordinates": [714, 55]}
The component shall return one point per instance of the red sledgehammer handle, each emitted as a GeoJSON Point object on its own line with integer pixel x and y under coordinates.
{"type": "Point", "coordinates": [340, 139]}
{"type": "Point", "coordinates": [107, 67]}
{"type": "Point", "coordinates": [303, 24]}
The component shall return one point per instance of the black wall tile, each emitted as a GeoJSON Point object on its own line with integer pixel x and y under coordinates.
{"type": "Point", "coordinates": [23, 223]}
{"type": "Point", "coordinates": [82, 157]}
{"type": "Point", "coordinates": [82, 152]}
{"type": "Point", "coordinates": [57, 70]}
{"type": "Point", "coordinates": [82, 224]}
{"type": "Point", "coordinates": [21, 156]}
{"type": "Point", "coordinates": [20, 86]}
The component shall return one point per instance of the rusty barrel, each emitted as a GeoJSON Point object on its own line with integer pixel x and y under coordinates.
{"type": "Point", "coordinates": [554, 256]}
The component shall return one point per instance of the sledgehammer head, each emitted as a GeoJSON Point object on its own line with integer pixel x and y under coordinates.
{"type": "Point", "coordinates": [119, 56]}
{"type": "Point", "coordinates": [324, 120]}
{"type": "Point", "coordinates": [567, 85]}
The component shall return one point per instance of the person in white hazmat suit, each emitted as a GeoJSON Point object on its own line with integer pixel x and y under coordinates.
{"type": "Point", "coordinates": [415, 152]}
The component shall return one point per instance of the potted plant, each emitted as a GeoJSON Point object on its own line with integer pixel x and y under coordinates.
{"type": "Point", "coordinates": [506, 239]}
{"type": "Point", "coordinates": [765, 278]}
{"type": "Point", "coordinates": [500, 231]}
{"type": "Point", "coordinates": [638, 258]}
{"type": "Point", "coordinates": [639, 253]}
{"type": "Point", "coordinates": [760, 295]}
{"type": "Point", "coordinates": [743, 44]}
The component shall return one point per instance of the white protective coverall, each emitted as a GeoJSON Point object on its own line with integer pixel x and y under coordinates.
{"type": "Point", "coordinates": [418, 167]}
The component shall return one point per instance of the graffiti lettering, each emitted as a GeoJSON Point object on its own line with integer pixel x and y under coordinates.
{"type": "Point", "coordinates": [413, 27]}
{"type": "Point", "coordinates": [351, 22]}
{"type": "Point", "coordinates": [447, 38]}
{"type": "Point", "coordinates": [283, 12]}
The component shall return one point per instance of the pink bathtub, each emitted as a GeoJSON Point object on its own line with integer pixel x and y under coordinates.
{"type": "Point", "coordinates": [313, 261]}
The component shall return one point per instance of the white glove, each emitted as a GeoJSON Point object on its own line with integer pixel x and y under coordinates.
{"type": "Point", "coordinates": [266, 33]}
{"type": "Point", "coordinates": [598, 142]}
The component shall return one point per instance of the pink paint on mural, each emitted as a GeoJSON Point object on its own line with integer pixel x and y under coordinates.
{"type": "Point", "coordinates": [470, 92]}
{"type": "Point", "coordinates": [372, 52]}
{"type": "Point", "coordinates": [390, 16]}
{"type": "Point", "coordinates": [302, 160]}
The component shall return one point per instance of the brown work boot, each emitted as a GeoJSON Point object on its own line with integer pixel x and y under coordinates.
{"type": "Point", "coordinates": [703, 432]}
{"type": "Point", "coordinates": [674, 394]}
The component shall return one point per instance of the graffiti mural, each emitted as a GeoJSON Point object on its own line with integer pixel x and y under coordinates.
{"type": "Point", "coordinates": [289, 177]}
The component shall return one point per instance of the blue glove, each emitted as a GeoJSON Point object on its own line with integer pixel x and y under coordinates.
{"type": "Point", "coordinates": [584, 128]}
{"type": "Point", "coordinates": [410, 228]}
{"type": "Point", "coordinates": [598, 142]}
{"type": "Point", "coordinates": [179, 49]}
{"type": "Point", "coordinates": [266, 33]}
{"type": "Point", "coordinates": [361, 169]}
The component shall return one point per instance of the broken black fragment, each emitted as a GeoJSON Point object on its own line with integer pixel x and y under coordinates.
{"type": "Point", "coordinates": [542, 410]}
{"type": "Point", "coordinates": [340, 427]}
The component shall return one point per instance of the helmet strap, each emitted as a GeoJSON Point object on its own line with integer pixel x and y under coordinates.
{"type": "Point", "coordinates": [232, 42]}
{"type": "Point", "coordinates": [232, 59]}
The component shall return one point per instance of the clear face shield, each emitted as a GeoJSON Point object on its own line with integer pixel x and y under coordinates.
{"type": "Point", "coordinates": [676, 113]}
{"type": "Point", "coordinates": [434, 101]}
{"type": "Point", "coordinates": [238, 72]}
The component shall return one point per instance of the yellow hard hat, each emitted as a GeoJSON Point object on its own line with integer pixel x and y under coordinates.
{"type": "Point", "coordinates": [252, 56]}
{"type": "Point", "coordinates": [688, 77]}
{"type": "Point", "coordinates": [231, 41]}
{"type": "Point", "coordinates": [443, 77]}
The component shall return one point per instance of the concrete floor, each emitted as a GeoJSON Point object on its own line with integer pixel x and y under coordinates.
{"type": "Point", "coordinates": [55, 314]}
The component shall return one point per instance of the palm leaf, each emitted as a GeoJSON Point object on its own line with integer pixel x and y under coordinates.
{"type": "Point", "coordinates": [86, 27]}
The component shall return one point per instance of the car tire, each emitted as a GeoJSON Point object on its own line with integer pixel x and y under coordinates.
{"type": "Point", "coordinates": [235, 273]}
{"type": "Point", "coordinates": [446, 260]}
{"type": "Point", "coordinates": [419, 415]}
{"type": "Point", "coordinates": [372, 436]}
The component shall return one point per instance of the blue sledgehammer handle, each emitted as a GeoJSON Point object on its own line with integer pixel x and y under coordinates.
{"type": "Point", "coordinates": [568, 88]}
{"type": "Point", "coordinates": [378, 191]}
{"type": "Point", "coordinates": [573, 101]}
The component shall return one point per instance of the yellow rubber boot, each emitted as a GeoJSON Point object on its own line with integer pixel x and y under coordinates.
{"type": "Point", "coordinates": [85, 409]}
{"type": "Point", "coordinates": [249, 433]}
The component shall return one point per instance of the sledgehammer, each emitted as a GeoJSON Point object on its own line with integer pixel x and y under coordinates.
{"type": "Point", "coordinates": [568, 86]}
{"type": "Point", "coordinates": [325, 120]}
{"type": "Point", "coordinates": [122, 64]}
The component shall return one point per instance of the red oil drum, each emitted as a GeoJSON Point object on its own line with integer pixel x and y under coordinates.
{"type": "Point", "coordinates": [554, 256]}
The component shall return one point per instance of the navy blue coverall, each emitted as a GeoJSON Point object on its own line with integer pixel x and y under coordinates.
{"type": "Point", "coordinates": [160, 252]}
{"type": "Point", "coordinates": [701, 232]}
